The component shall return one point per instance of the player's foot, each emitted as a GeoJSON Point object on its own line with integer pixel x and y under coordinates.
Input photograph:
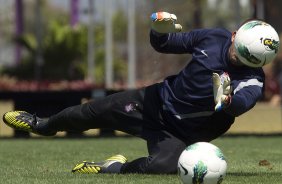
{"type": "Point", "coordinates": [21, 120]}
{"type": "Point", "coordinates": [111, 165]}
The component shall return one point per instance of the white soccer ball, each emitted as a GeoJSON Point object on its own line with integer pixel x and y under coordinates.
{"type": "Point", "coordinates": [202, 163]}
{"type": "Point", "coordinates": [256, 43]}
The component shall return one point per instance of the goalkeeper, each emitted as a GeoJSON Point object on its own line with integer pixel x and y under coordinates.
{"type": "Point", "coordinates": [200, 103]}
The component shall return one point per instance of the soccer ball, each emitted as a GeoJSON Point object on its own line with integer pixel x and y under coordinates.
{"type": "Point", "coordinates": [202, 163]}
{"type": "Point", "coordinates": [256, 43]}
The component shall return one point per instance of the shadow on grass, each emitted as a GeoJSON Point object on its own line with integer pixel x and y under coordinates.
{"type": "Point", "coordinates": [231, 135]}
{"type": "Point", "coordinates": [254, 174]}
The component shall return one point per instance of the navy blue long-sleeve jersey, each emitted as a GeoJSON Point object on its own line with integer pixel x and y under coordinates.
{"type": "Point", "coordinates": [190, 93]}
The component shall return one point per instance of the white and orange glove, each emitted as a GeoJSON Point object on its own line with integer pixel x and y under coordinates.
{"type": "Point", "coordinates": [221, 91]}
{"type": "Point", "coordinates": [164, 22]}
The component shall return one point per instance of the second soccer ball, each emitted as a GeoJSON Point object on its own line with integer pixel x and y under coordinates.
{"type": "Point", "coordinates": [202, 163]}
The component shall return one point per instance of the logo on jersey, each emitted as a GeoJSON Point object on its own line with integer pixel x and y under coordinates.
{"type": "Point", "coordinates": [131, 107]}
{"type": "Point", "coordinates": [204, 52]}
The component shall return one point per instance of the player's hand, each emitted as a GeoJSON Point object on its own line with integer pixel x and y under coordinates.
{"type": "Point", "coordinates": [221, 91]}
{"type": "Point", "coordinates": [163, 22]}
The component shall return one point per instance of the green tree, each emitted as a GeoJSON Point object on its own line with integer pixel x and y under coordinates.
{"type": "Point", "coordinates": [64, 54]}
{"type": "Point", "coordinates": [63, 50]}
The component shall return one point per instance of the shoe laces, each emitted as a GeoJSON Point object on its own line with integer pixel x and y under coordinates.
{"type": "Point", "coordinates": [32, 119]}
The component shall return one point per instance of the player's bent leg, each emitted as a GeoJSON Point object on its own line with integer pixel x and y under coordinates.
{"type": "Point", "coordinates": [164, 151]}
{"type": "Point", "coordinates": [150, 165]}
{"type": "Point", "coordinates": [156, 164]}
{"type": "Point", "coordinates": [111, 165]}
{"type": "Point", "coordinates": [21, 120]}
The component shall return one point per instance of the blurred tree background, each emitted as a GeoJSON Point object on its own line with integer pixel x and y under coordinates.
{"type": "Point", "coordinates": [64, 47]}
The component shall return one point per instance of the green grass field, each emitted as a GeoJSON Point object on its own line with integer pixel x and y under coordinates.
{"type": "Point", "coordinates": [51, 160]}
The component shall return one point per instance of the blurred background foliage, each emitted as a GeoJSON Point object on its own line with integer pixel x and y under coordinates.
{"type": "Point", "coordinates": [64, 47]}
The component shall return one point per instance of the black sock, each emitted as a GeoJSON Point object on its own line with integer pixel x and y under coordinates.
{"type": "Point", "coordinates": [114, 168]}
{"type": "Point", "coordinates": [43, 127]}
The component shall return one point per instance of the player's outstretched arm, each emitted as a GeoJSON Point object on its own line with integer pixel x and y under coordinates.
{"type": "Point", "coordinates": [164, 22]}
{"type": "Point", "coordinates": [165, 36]}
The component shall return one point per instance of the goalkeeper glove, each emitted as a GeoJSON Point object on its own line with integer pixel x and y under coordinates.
{"type": "Point", "coordinates": [221, 91]}
{"type": "Point", "coordinates": [163, 22]}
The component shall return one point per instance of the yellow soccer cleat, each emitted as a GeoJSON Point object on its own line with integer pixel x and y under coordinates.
{"type": "Point", "coordinates": [20, 120]}
{"type": "Point", "coordinates": [108, 166]}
